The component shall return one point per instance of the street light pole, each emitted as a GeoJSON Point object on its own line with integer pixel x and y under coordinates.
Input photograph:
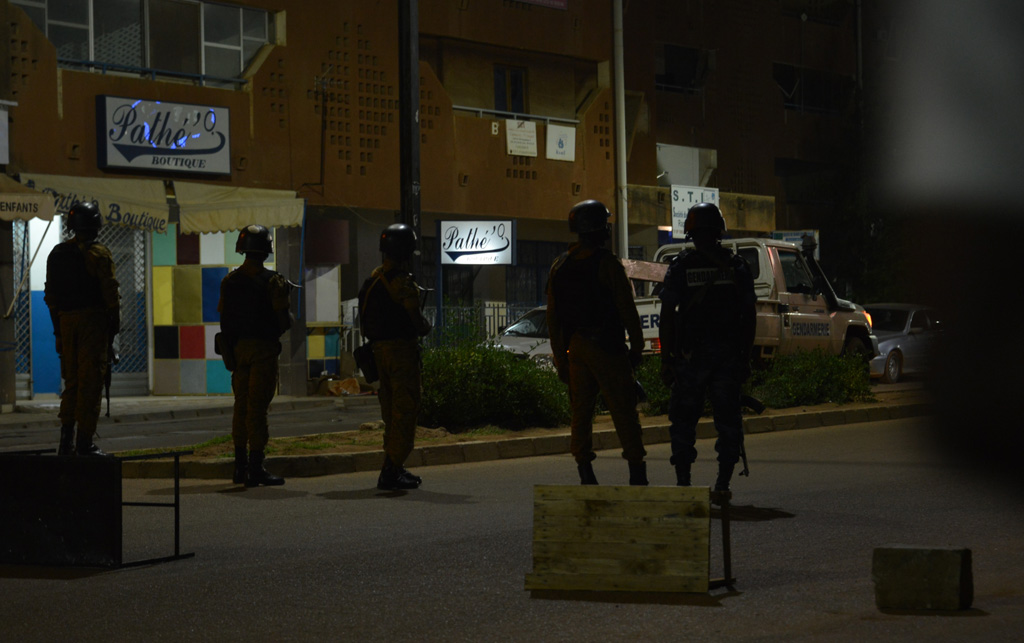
{"type": "Point", "coordinates": [620, 132]}
{"type": "Point", "coordinates": [409, 115]}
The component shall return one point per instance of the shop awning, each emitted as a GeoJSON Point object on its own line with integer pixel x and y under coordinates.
{"type": "Point", "coordinates": [137, 203]}
{"type": "Point", "coordinates": [216, 208]}
{"type": "Point", "coordinates": [21, 202]}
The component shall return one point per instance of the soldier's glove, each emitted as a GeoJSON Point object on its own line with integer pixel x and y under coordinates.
{"type": "Point", "coordinates": [60, 345]}
{"type": "Point", "coordinates": [114, 323]}
{"type": "Point", "coordinates": [743, 370]}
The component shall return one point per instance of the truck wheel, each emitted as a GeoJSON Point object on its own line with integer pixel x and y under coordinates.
{"type": "Point", "coordinates": [893, 368]}
{"type": "Point", "coordinates": [856, 346]}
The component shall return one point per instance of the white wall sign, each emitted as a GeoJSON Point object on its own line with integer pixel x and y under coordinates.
{"type": "Point", "coordinates": [167, 137]}
{"type": "Point", "coordinates": [683, 198]}
{"type": "Point", "coordinates": [561, 143]}
{"type": "Point", "coordinates": [521, 138]}
{"type": "Point", "coordinates": [487, 243]}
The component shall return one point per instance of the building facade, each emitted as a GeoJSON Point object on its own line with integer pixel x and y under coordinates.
{"type": "Point", "coordinates": [517, 122]}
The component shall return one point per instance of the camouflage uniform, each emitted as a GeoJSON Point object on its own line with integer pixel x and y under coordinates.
{"type": "Point", "coordinates": [254, 313]}
{"type": "Point", "coordinates": [590, 311]}
{"type": "Point", "coordinates": [392, 320]}
{"type": "Point", "coordinates": [85, 322]}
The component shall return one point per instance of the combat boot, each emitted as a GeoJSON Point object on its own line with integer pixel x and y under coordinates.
{"type": "Point", "coordinates": [724, 475]}
{"type": "Point", "coordinates": [85, 446]}
{"type": "Point", "coordinates": [586, 470]}
{"type": "Point", "coordinates": [256, 475]}
{"type": "Point", "coordinates": [67, 440]}
{"type": "Point", "coordinates": [392, 478]}
{"type": "Point", "coordinates": [683, 475]}
{"type": "Point", "coordinates": [241, 466]}
{"type": "Point", "coordinates": [638, 474]}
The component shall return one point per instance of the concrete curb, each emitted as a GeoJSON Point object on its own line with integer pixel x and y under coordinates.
{"type": "Point", "coordinates": [305, 466]}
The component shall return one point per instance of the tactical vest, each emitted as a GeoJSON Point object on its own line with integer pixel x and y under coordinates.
{"type": "Point", "coordinates": [711, 304]}
{"type": "Point", "coordinates": [69, 285]}
{"type": "Point", "coordinates": [381, 317]}
{"type": "Point", "coordinates": [584, 305]}
{"type": "Point", "coordinates": [248, 312]}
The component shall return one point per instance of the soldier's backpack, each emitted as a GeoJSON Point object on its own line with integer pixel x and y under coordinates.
{"type": "Point", "coordinates": [69, 286]}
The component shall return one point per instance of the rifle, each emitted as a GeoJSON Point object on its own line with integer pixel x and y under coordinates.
{"type": "Point", "coordinates": [112, 359]}
{"type": "Point", "coordinates": [758, 407]}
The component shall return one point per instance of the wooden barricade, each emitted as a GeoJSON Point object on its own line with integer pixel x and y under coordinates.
{"type": "Point", "coordinates": [608, 538]}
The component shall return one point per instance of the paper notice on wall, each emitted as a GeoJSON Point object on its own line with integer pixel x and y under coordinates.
{"type": "Point", "coordinates": [521, 138]}
{"type": "Point", "coordinates": [561, 143]}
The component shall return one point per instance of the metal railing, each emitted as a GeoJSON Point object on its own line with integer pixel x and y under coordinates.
{"type": "Point", "coordinates": [103, 68]}
{"type": "Point", "coordinates": [484, 320]}
{"type": "Point", "coordinates": [479, 111]}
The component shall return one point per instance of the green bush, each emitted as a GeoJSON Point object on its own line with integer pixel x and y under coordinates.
{"type": "Point", "coordinates": [804, 378]}
{"type": "Point", "coordinates": [469, 384]}
{"type": "Point", "coordinates": [649, 376]}
{"type": "Point", "coordinates": [811, 377]}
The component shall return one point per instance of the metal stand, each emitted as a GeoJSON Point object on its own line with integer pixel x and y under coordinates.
{"type": "Point", "coordinates": [721, 498]}
{"type": "Point", "coordinates": [176, 504]}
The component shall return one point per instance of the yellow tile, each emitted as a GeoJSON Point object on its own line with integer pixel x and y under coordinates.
{"type": "Point", "coordinates": [188, 295]}
{"type": "Point", "coordinates": [315, 346]}
{"type": "Point", "coordinates": [163, 295]}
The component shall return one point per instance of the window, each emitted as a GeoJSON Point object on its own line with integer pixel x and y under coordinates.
{"type": "Point", "coordinates": [812, 90]}
{"type": "Point", "coordinates": [798, 278]}
{"type": "Point", "coordinates": [510, 89]}
{"type": "Point", "coordinates": [177, 36]}
{"type": "Point", "coordinates": [681, 69]}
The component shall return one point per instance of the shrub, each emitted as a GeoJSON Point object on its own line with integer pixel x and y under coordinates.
{"type": "Point", "coordinates": [804, 378]}
{"type": "Point", "coordinates": [649, 376]}
{"type": "Point", "coordinates": [469, 384]}
{"type": "Point", "coordinates": [811, 377]}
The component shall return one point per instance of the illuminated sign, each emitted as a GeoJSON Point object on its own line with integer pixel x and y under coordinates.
{"type": "Point", "coordinates": [683, 198]}
{"type": "Point", "coordinates": [167, 137]}
{"type": "Point", "coordinates": [487, 243]}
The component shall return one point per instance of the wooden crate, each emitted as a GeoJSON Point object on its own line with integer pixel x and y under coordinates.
{"type": "Point", "coordinates": [607, 538]}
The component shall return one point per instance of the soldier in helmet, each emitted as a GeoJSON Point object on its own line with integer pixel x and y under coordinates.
{"type": "Point", "coordinates": [391, 318]}
{"type": "Point", "coordinates": [254, 313]}
{"type": "Point", "coordinates": [590, 312]}
{"type": "Point", "coordinates": [85, 307]}
{"type": "Point", "coordinates": [707, 331]}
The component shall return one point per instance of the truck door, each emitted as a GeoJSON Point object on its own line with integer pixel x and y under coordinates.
{"type": "Point", "coordinates": [806, 323]}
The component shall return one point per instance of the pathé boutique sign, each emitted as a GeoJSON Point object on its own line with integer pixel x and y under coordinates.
{"type": "Point", "coordinates": [156, 135]}
{"type": "Point", "coordinates": [486, 243]}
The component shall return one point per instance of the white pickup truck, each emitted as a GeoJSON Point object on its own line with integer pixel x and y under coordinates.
{"type": "Point", "coordinates": [528, 335]}
{"type": "Point", "coordinates": [797, 309]}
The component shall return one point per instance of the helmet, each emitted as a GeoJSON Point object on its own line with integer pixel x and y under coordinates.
{"type": "Point", "coordinates": [398, 241]}
{"type": "Point", "coordinates": [587, 217]}
{"type": "Point", "coordinates": [84, 216]}
{"type": "Point", "coordinates": [254, 238]}
{"type": "Point", "coordinates": [704, 216]}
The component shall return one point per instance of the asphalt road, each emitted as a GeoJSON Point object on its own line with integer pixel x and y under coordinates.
{"type": "Point", "coordinates": [331, 558]}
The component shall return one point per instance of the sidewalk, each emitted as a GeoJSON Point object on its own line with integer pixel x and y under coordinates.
{"type": "Point", "coordinates": [43, 412]}
{"type": "Point", "coordinates": [900, 404]}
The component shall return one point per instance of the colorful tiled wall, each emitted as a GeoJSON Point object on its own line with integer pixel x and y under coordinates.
{"type": "Point", "coordinates": [187, 271]}
{"type": "Point", "coordinates": [323, 351]}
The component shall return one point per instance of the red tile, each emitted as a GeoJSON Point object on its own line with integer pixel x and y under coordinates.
{"type": "Point", "coordinates": [193, 342]}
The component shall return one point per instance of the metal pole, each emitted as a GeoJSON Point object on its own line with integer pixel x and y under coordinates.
{"type": "Point", "coordinates": [409, 115]}
{"type": "Point", "coordinates": [620, 133]}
